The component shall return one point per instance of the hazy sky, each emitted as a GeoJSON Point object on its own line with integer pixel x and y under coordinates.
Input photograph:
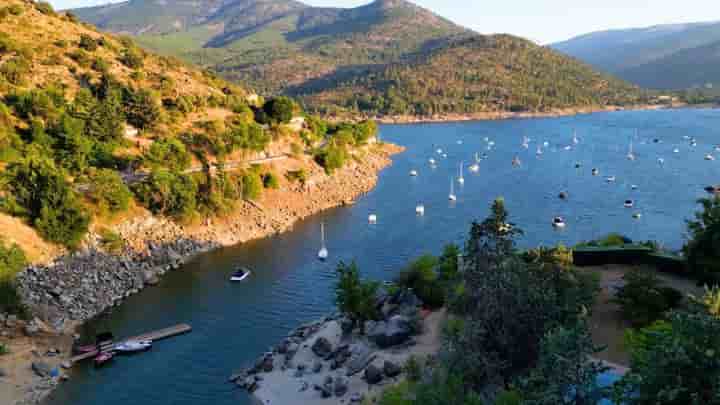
{"type": "Point", "coordinates": [543, 21]}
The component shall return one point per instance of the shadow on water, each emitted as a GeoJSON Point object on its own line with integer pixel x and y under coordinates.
{"type": "Point", "coordinates": [234, 323]}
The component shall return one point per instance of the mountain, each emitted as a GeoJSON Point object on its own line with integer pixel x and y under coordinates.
{"type": "Point", "coordinates": [663, 56]}
{"type": "Point", "coordinates": [338, 56]}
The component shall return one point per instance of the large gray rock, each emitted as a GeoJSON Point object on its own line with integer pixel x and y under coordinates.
{"type": "Point", "coordinates": [391, 369]}
{"type": "Point", "coordinates": [361, 356]}
{"type": "Point", "coordinates": [373, 374]}
{"type": "Point", "coordinates": [341, 387]}
{"type": "Point", "coordinates": [395, 331]}
{"type": "Point", "coordinates": [322, 347]}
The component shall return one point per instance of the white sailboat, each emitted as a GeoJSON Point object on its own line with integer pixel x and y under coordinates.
{"type": "Point", "coordinates": [631, 154]}
{"type": "Point", "coordinates": [323, 252]}
{"type": "Point", "coordinates": [516, 161]}
{"type": "Point", "coordinates": [526, 142]}
{"type": "Point", "coordinates": [452, 196]}
{"type": "Point", "coordinates": [461, 179]}
{"type": "Point", "coordinates": [575, 139]}
{"type": "Point", "coordinates": [539, 151]}
{"type": "Point", "coordinates": [476, 166]}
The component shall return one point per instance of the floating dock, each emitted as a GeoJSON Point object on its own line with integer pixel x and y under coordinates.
{"type": "Point", "coordinates": [152, 336]}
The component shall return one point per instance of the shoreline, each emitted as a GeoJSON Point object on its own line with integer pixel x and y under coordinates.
{"type": "Point", "coordinates": [509, 115]}
{"type": "Point", "coordinates": [79, 286]}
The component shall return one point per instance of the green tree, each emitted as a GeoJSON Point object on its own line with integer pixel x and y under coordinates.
{"type": "Point", "coordinates": [493, 239]}
{"type": "Point", "coordinates": [132, 58]}
{"type": "Point", "coordinates": [703, 247]}
{"type": "Point", "coordinates": [12, 260]}
{"type": "Point", "coordinates": [168, 152]}
{"type": "Point", "coordinates": [354, 297]}
{"type": "Point", "coordinates": [88, 43]}
{"type": "Point", "coordinates": [72, 148]}
{"type": "Point", "coordinates": [421, 277]}
{"type": "Point", "coordinates": [108, 191]}
{"type": "Point", "coordinates": [168, 193]}
{"type": "Point", "coordinates": [279, 109]}
{"type": "Point", "coordinates": [643, 299]}
{"type": "Point", "coordinates": [252, 186]}
{"type": "Point", "coordinates": [142, 109]}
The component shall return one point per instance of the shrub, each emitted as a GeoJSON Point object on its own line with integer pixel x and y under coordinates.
{"type": "Point", "coordinates": [296, 176]}
{"type": "Point", "coordinates": [252, 186]}
{"type": "Point", "coordinates": [88, 43]}
{"type": "Point", "coordinates": [10, 300]}
{"type": "Point", "coordinates": [111, 241]}
{"type": "Point", "coordinates": [108, 191]}
{"type": "Point", "coordinates": [16, 9]}
{"type": "Point", "coordinates": [354, 297]}
{"type": "Point", "coordinates": [39, 189]}
{"type": "Point", "coordinates": [45, 8]}
{"type": "Point", "coordinates": [413, 369]}
{"type": "Point", "coordinates": [701, 250]}
{"type": "Point", "coordinates": [277, 110]}
{"type": "Point", "coordinates": [15, 70]}
{"type": "Point", "coordinates": [12, 260]}
{"type": "Point", "coordinates": [100, 65]}
{"type": "Point", "coordinates": [132, 58]}
{"type": "Point", "coordinates": [168, 193]}
{"type": "Point", "coordinates": [331, 158]}
{"type": "Point", "coordinates": [643, 299]}
{"type": "Point", "coordinates": [270, 181]}
{"type": "Point", "coordinates": [142, 109]}
{"type": "Point", "coordinates": [420, 276]}
{"type": "Point", "coordinates": [168, 152]}
{"type": "Point", "coordinates": [81, 57]}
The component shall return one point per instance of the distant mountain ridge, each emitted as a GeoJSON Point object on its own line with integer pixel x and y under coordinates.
{"type": "Point", "coordinates": [318, 53]}
{"type": "Point", "coordinates": [651, 57]}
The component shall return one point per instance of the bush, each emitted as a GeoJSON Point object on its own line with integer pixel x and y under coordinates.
{"type": "Point", "coordinates": [45, 8]}
{"type": "Point", "coordinates": [270, 181]}
{"type": "Point", "coordinates": [100, 65]}
{"type": "Point", "coordinates": [111, 241]}
{"type": "Point", "coordinates": [108, 191]}
{"type": "Point", "coordinates": [296, 176]}
{"type": "Point", "coordinates": [10, 300]}
{"type": "Point", "coordinates": [252, 186]}
{"type": "Point", "coordinates": [420, 276]}
{"type": "Point", "coordinates": [142, 109]}
{"type": "Point", "coordinates": [643, 300]}
{"type": "Point", "coordinates": [168, 193]}
{"type": "Point", "coordinates": [12, 260]}
{"type": "Point", "coordinates": [41, 193]}
{"type": "Point", "coordinates": [88, 43]}
{"type": "Point", "coordinates": [132, 58]}
{"type": "Point", "coordinates": [701, 250]}
{"type": "Point", "coordinates": [413, 369]}
{"type": "Point", "coordinates": [168, 152]}
{"type": "Point", "coordinates": [354, 297]}
{"type": "Point", "coordinates": [331, 158]}
{"type": "Point", "coordinates": [15, 70]}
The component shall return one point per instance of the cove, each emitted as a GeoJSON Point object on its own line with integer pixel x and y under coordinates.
{"type": "Point", "coordinates": [234, 323]}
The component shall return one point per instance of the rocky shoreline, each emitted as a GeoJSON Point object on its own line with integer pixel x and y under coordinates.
{"type": "Point", "coordinates": [504, 115]}
{"type": "Point", "coordinates": [330, 362]}
{"type": "Point", "coordinates": [79, 286]}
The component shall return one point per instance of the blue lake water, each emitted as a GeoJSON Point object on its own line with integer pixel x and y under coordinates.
{"type": "Point", "coordinates": [234, 323]}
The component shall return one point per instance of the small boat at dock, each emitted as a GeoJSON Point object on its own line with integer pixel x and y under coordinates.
{"type": "Point", "coordinates": [103, 358]}
{"type": "Point", "coordinates": [240, 274]}
{"type": "Point", "coordinates": [133, 346]}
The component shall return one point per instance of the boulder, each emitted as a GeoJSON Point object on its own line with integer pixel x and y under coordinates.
{"type": "Point", "coordinates": [268, 364]}
{"type": "Point", "coordinates": [356, 398]}
{"type": "Point", "coordinates": [391, 369]}
{"type": "Point", "coordinates": [341, 387]}
{"type": "Point", "coordinates": [373, 374]}
{"type": "Point", "coordinates": [361, 356]}
{"type": "Point", "coordinates": [31, 329]}
{"type": "Point", "coordinates": [395, 331]}
{"type": "Point", "coordinates": [317, 367]}
{"type": "Point", "coordinates": [322, 347]}
{"type": "Point", "coordinates": [41, 368]}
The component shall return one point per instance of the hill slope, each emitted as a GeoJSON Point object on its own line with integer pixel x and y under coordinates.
{"type": "Point", "coordinates": [320, 54]}
{"type": "Point", "coordinates": [648, 56]}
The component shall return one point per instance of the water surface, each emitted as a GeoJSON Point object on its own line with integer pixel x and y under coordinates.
{"type": "Point", "coordinates": [234, 323]}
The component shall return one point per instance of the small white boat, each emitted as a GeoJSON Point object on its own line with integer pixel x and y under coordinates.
{"type": "Point", "coordinates": [631, 153]}
{"type": "Point", "coordinates": [432, 161]}
{"type": "Point", "coordinates": [568, 147]}
{"type": "Point", "coordinates": [459, 142]}
{"type": "Point", "coordinates": [634, 186]}
{"type": "Point", "coordinates": [693, 143]}
{"type": "Point", "coordinates": [132, 346]}
{"type": "Point", "coordinates": [717, 149]}
{"type": "Point", "coordinates": [516, 162]}
{"type": "Point", "coordinates": [637, 215]}
{"type": "Point", "coordinates": [686, 137]}
{"type": "Point", "coordinates": [546, 144]}
{"type": "Point", "coordinates": [323, 252]}
{"type": "Point", "coordinates": [661, 161]}
{"type": "Point", "coordinates": [474, 168]}
{"type": "Point", "coordinates": [575, 139]}
{"type": "Point", "coordinates": [461, 179]}
{"type": "Point", "coordinates": [610, 179]}
{"type": "Point", "coordinates": [413, 173]}
{"type": "Point", "coordinates": [709, 157]}
{"type": "Point", "coordinates": [525, 142]}
{"type": "Point", "coordinates": [486, 139]}
{"type": "Point", "coordinates": [420, 210]}
{"type": "Point", "coordinates": [558, 222]}
{"type": "Point", "coordinates": [629, 203]}
{"type": "Point", "coordinates": [676, 150]}
{"type": "Point", "coordinates": [444, 155]}
{"type": "Point", "coordinates": [452, 196]}
{"type": "Point", "coordinates": [240, 274]}
{"type": "Point", "coordinates": [491, 143]}
{"type": "Point", "coordinates": [439, 151]}
{"type": "Point", "coordinates": [372, 219]}
{"type": "Point", "coordinates": [595, 172]}
{"type": "Point", "coordinates": [539, 151]}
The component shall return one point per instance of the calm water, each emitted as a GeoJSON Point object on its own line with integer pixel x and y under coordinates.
{"type": "Point", "coordinates": [234, 323]}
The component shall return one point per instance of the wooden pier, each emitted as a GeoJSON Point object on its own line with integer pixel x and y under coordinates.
{"type": "Point", "coordinates": [152, 336]}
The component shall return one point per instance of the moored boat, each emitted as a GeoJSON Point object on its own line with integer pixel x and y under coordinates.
{"type": "Point", "coordinates": [240, 274]}
{"type": "Point", "coordinates": [103, 358]}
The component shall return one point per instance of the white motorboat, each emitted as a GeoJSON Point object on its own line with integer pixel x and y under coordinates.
{"type": "Point", "coordinates": [568, 147]}
{"type": "Point", "coordinates": [558, 222]}
{"type": "Point", "coordinates": [432, 161]}
{"type": "Point", "coordinates": [420, 210]}
{"type": "Point", "coordinates": [323, 252]}
{"type": "Point", "coordinates": [634, 186]}
{"type": "Point", "coordinates": [637, 215]}
{"type": "Point", "coordinates": [459, 142]}
{"type": "Point", "coordinates": [439, 151]}
{"type": "Point", "coordinates": [629, 203]}
{"type": "Point", "coordinates": [240, 274]}
{"type": "Point", "coordinates": [461, 179]}
{"type": "Point", "coordinates": [575, 139]}
{"type": "Point", "coordinates": [474, 168]}
{"type": "Point", "coordinates": [452, 196]}
{"type": "Point", "coordinates": [413, 173]}
{"type": "Point", "coordinates": [132, 346]}
{"type": "Point", "coordinates": [709, 157]}
{"type": "Point", "coordinates": [595, 172]}
{"type": "Point", "coordinates": [372, 219]}
{"type": "Point", "coordinates": [610, 179]}
{"type": "Point", "coordinates": [676, 150]}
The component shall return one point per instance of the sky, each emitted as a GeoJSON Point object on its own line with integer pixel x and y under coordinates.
{"type": "Point", "coordinates": [543, 21]}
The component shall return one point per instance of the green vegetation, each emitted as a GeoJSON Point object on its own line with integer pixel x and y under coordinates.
{"type": "Point", "coordinates": [643, 299]}
{"type": "Point", "coordinates": [701, 250]}
{"type": "Point", "coordinates": [169, 193]}
{"type": "Point", "coordinates": [354, 297]}
{"type": "Point", "coordinates": [111, 241]}
{"type": "Point", "coordinates": [12, 260]}
{"type": "Point", "coordinates": [45, 7]}
{"type": "Point", "coordinates": [170, 153]}
{"type": "Point", "coordinates": [270, 181]}
{"type": "Point", "coordinates": [108, 191]}
{"type": "Point", "coordinates": [252, 185]}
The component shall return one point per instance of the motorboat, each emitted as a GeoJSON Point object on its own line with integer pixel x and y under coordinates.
{"type": "Point", "coordinates": [439, 151]}
{"type": "Point", "coordinates": [633, 186]}
{"type": "Point", "coordinates": [323, 252]}
{"type": "Point", "coordinates": [712, 189]}
{"type": "Point", "coordinates": [459, 142]}
{"type": "Point", "coordinates": [546, 144]}
{"type": "Point", "coordinates": [432, 161]}
{"type": "Point", "coordinates": [676, 150]}
{"type": "Point", "coordinates": [461, 179]}
{"type": "Point", "coordinates": [539, 151]}
{"type": "Point", "coordinates": [516, 162]}
{"type": "Point", "coordinates": [240, 274]}
{"type": "Point", "coordinates": [568, 147]}
{"type": "Point", "coordinates": [661, 161]}
{"type": "Point", "coordinates": [452, 196]}
{"type": "Point", "coordinates": [563, 195]}
{"type": "Point", "coordinates": [133, 346]}
{"type": "Point", "coordinates": [709, 157]}
{"type": "Point", "coordinates": [103, 358]}
{"type": "Point", "coordinates": [637, 215]}
{"type": "Point", "coordinates": [578, 165]}
{"type": "Point", "coordinates": [575, 139]}
{"type": "Point", "coordinates": [474, 168]}
{"type": "Point", "coordinates": [610, 179]}
{"type": "Point", "coordinates": [413, 173]}
{"type": "Point", "coordinates": [629, 203]}
{"type": "Point", "coordinates": [595, 172]}
{"type": "Point", "coordinates": [372, 219]}
{"type": "Point", "coordinates": [420, 210]}
{"type": "Point", "coordinates": [525, 142]}
{"type": "Point", "coordinates": [558, 222]}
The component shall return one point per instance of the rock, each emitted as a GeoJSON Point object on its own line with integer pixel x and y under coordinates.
{"type": "Point", "coordinates": [322, 347]}
{"type": "Point", "coordinates": [325, 391]}
{"type": "Point", "coordinates": [41, 368]}
{"type": "Point", "coordinates": [356, 397]}
{"type": "Point", "coordinates": [392, 332]}
{"type": "Point", "coordinates": [341, 387]}
{"type": "Point", "coordinates": [391, 369]}
{"type": "Point", "coordinates": [361, 356]}
{"type": "Point", "coordinates": [304, 386]}
{"type": "Point", "coordinates": [2, 373]}
{"type": "Point", "coordinates": [268, 364]}
{"type": "Point", "coordinates": [317, 367]}
{"type": "Point", "coordinates": [346, 325]}
{"type": "Point", "coordinates": [373, 374]}
{"type": "Point", "coordinates": [31, 329]}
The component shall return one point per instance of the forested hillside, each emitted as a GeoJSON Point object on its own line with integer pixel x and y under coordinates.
{"type": "Point", "coordinates": [340, 59]}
